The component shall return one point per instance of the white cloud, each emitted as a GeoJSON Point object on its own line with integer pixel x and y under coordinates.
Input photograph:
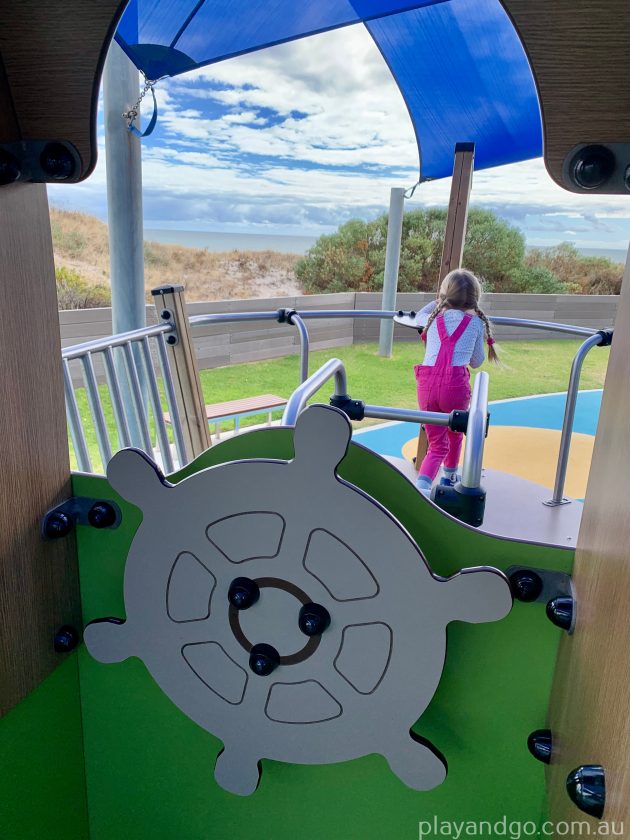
{"type": "Point", "coordinates": [300, 137]}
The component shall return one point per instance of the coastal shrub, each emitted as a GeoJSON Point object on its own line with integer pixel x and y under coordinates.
{"type": "Point", "coordinates": [74, 292]}
{"type": "Point", "coordinates": [536, 280]}
{"type": "Point", "coordinates": [580, 274]}
{"type": "Point", "coordinates": [353, 258]}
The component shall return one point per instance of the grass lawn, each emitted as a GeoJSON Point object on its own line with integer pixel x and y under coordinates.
{"type": "Point", "coordinates": [527, 367]}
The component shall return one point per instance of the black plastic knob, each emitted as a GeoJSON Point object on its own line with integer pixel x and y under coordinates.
{"type": "Point", "coordinates": [314, 619]}
{"type": "Point", "coordinates": [57, 162]}
{"type": "Point", "coordinates": [592, 166]}
{"type": "Point", "coordinates": [526, 585]}
{"type": "Point", "coordinates": [102, 515]}
{"type": "Point", "coordinates": [263, 659]}
{"type": "Point", "coordinates": [586, 787]}
{"type": "Point", "coordinates": [539, 744]}
{"type": "Point", "coordinates": [560, 612]}
{"type": "Point", "coordinates": [66, 639]}
{"type": "Point", "coordinates": [58, 524]}
{"type": "Point", "coordinates": [243, 593]}
{"type": "Point", "coordinates": [9, 168]}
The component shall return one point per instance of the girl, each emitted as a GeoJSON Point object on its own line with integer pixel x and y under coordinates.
{"type": "Point", "coordinates": [454, 336]}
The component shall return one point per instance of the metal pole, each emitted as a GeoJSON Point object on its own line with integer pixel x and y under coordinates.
{"type": "Point", "coordinates": [333, 368]}
{"type": "Point", "coordinates": [406, 415]}
{"type": "Point", "coordinates": [392, 262]}
{"type": "Point", "coordinates": [476, 432]}
{"type": "Point", "coordinates": [297, 321]}
{"type": "Point", "coordinates": [124, 204]}
{"type": "Point", "coordinates": [567, 423]}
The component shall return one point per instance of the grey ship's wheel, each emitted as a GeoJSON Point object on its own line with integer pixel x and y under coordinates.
{"type": "Point", "coordinates": [220, 584]}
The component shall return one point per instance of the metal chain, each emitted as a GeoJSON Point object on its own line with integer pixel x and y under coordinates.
{"type": "Point", "coordinates": [132, 114]}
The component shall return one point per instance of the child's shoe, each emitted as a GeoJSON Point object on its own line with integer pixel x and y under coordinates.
{"type": "Point", "coordinates": [449, 478]}
{"type": "Point", "coordinates": [424, 485]}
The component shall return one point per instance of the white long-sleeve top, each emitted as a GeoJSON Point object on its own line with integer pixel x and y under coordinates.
{"type": "Point", "coordinates": [469, 349]}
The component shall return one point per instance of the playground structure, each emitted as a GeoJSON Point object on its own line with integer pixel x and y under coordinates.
{"type": "Point", "coordinates": [99, 750]}
{"type": "Point", "coordinates": [175, 329]}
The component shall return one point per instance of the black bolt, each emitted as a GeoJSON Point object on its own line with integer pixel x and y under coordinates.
{"type": "Point", "coordinates": [400, 313]}
{"type": "Point", "coordinates": [243, 593]}
{"type": "Point", "coordinates": [263, 659]}
{"type": "Point", "coordinates": [539, 744]}
{"type": "Point", "coordinates": [412, 314]}
{"type": "Point", "coordinates": [102, 515]}
{"type": "Point", "coordinates": [314, 619]}
{"type": "Point", "coordinates": [57, 162]}
{"type": "Point", "coordinates": [171, 339]}
{"type": "Point", "coordinates": [57, 524]}
{"type": "Point", "coordinates": [9, 168]}
{"type": "Point", "coordinates": [526, 585]}
{"type": "Point", "coordinates": [66, 639]}
{"type": "Point", "coordinates": [586, 787]}
{"type": "Point", "coordinates": [165, 315]}
{"type": "Point", "coordinates": [560, 612]}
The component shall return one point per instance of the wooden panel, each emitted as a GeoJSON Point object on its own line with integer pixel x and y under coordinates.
{"type": "Point", "coordinates": [591, 694]}
{"type": "Point", "coordinates": [38, 580]}
{"type": "Point", "coordinates": [581, 61]}
{"type": "Point", "coordinates": [53, 56]}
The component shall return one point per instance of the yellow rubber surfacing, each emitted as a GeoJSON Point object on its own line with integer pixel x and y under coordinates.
{"type": "Point", "coordinates": [532, 454]}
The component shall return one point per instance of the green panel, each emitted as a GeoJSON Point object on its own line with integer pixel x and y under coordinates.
{"type": "Point", "coordinates": [41, 762]}
{"type": "Point", "coordinates": [150, 769]}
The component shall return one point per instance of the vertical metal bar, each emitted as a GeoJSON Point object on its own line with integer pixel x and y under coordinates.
{"type": "Point", "coordinates": [567, 423]}
{"type": "Point", "coordinates": [476, 432]}
{"type": "Point", "coordinates": [120, 414]}
{"type": "Point", "coordinates": [392, 263]}
{"type": "Point", "coordinates": [96, 407]}
{"type": "Point", "coordinates": [74, 421]}
{"type": "Point", "coordinates": [158, 414]}
{"type": "Point", "coordinates": [171, 400]}
{"type": "Point", "coordinates": [304, 345]}
{"type": "Point", "coordinates": [136, 394]}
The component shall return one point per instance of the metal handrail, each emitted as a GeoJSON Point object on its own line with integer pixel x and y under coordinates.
{"type": "Point", "coordinates": [549, 326]}
{"type": "Point", "coordinates": [333, 368]}
{"type": "Point", "coordinates": [290, 315]}
{"type": "Point", "coordinates": [569, 415]}
{"type": "Point", "coordinates": [406, 415]}
{"type": "Point", "coordinates": [476, 432]}
{"type": "Point", "coordinates": [100, 344]}
{"type": "Point", "coordinates": [132, 376]}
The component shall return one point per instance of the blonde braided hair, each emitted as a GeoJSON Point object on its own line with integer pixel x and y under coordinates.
{"type": "Point", "coordinates": [461, 290]}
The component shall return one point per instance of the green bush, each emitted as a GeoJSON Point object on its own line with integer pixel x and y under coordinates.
{"type": "Point", "coordinates": [536, 280]}
{"type": "Point", "coordinates": [353, 258]}
{"type": "Point", "coordinates": [74, 292]}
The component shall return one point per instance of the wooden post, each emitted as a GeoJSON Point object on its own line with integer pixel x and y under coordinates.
{"type": "Point", "coordinates": [457, 217]}
{"type": "Point", "coordinates": [455, 234]}
{"type": "Point", "coordinates": [591, 694]}
{"type": "Point", "coordinates": [39, 587]}
{"type": "Point", "coordinates": [184, 370]}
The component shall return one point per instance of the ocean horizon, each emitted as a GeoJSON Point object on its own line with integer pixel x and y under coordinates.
{"type": "Point", "coordinates": [225, 241]}
{"type": "Point", "coordinates": [291, 244]}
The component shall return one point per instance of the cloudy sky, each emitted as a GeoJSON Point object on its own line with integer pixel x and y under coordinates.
{"type": "Point", "coordinates": [298, 138]}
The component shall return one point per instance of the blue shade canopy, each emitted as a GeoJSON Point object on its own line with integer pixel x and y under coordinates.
{"type": "Point", "coordinates": [459, 64]}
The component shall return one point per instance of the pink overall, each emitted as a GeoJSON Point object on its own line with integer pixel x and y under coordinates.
{"type": "Point", "coordinates": [445, 388]}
